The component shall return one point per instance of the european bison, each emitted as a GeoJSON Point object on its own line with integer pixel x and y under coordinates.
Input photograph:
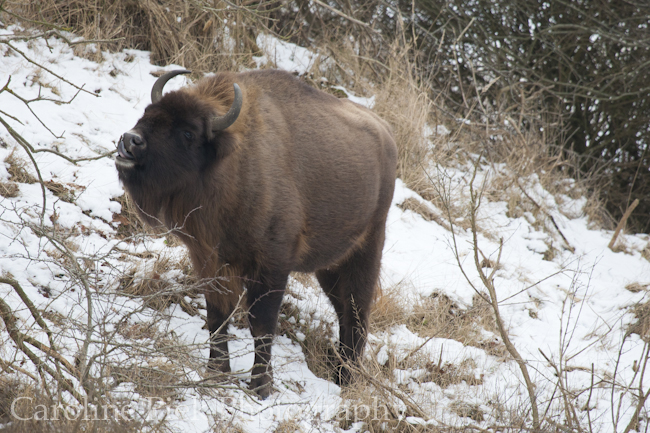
{"type": "Point", "coordinates": [270, 178]}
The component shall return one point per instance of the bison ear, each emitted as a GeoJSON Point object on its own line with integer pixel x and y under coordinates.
{"type": "Point", "coordinates": [223, 143]}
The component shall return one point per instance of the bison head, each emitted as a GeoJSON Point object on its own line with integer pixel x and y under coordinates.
{"type": "Point", "coordinates": [179, 136]}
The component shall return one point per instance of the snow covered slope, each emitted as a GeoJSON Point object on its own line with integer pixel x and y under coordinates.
{"type": "Point", "coordinates": [574, 306]}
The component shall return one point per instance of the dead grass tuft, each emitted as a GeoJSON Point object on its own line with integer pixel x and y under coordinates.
{"type": "Point", "coordinates": [315, 341]}
{"type": "Point", "coordinates": [137, 331]}
{"type": "Point", "coordinates": [377, 410]}
{"type": "Point", "coordinates": [197, 35]}
{"type": "Point", "coordinates": [37, 412]}
{"type": "Point", "coordinates": [17, 168]}
{"type": "Point", "coordinates": [10, 389]}
{"type": "Point", "coordinates": [156, 291]}
{"type": "Point", "coordinates": [439, 316]}
{"type": "Point", "coordinates": [421, 209]}
{"type": "Point", "coordinates": [467, 410]}
{"type": "Point", "coordinates": [128, 222]}
{"type": "Point", "coordinates": [388, 309]}
{"type": "Point", "coordinates": [637, 287]}
{"type": "Point", "coordinates": [641, 326]}
{"type": "Point", "coordinates": [288, 426]}
{"type": "Point", "coordinates": [9, 189]}
{"type": "Point", "coordinates": [157, 379]}
{"type": "Point", "coordinates": [402, 100]}
{"type": "Point", "coordinates": [66, 192]}
{"type": "Point", "coordinates": [448, 374]}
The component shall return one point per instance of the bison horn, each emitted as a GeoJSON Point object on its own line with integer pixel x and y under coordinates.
{"type": "Point", "coordinates": [219, 123]}
{"type": "Point", "coordinates": [156, 90]}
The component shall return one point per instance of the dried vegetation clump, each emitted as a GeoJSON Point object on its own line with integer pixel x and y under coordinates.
{"type": "Point", "coordinates": [641, 326]}
{"type": "Point", "coordinates": [129, 224]}
{"type": "Point", "coordinates": [25, 409]}
{"type": "Point", "coordinates": [439, 316]}
{"type": "Point", "coordinates": [18, 173]}
{"type": "Point", "coordinates": [192, 34]}
{"type": "Point", "coordinates": [152, 284]}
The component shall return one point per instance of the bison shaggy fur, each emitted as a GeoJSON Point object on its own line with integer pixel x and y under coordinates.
{"type": "Point", "coordinates": [296, 180]}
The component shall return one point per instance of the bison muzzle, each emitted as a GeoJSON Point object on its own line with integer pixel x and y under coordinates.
{"type": "Point", "coordinates": [260, 175]}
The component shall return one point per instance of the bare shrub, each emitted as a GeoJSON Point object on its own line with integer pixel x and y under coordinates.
{"type": "Point", "coordinates": [26, 409]}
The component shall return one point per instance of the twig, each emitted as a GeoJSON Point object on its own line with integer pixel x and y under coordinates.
{"type": "Point", "coordinates": [25, 145]}
{"type": "Point", "coordinates": [27, 103]}
{"type": "Point", "coordinates": [30, 306]}
{"type": "Point", "coordinates": [339, 13]}
{"type": "Point", "coordinates": [548, 214]}
{"type": "Point", "coordinates": [11, 366]}
{"type": "Point", "coordinates": [50, 71]}
{"type": "Point", "coordinates": [622, 222]}
{"type": "Point", "coordinates": [569, 410]}
{"type": "Point", "coordinates": [643, 397]}
{"type": "Point", "coordinates": [79, 273]}
{"type": "Point", "coordinates": [19, 338]}
{"type": "Point", "coordinates": [489, 285]}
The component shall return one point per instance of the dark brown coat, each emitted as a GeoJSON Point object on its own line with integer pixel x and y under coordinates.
{"type": "Point", "coordinates": [301, 181]}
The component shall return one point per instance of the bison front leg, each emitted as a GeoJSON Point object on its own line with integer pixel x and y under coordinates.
{"type": "Point", "coordinates": [218, 327]}
{"type": "Point", "coordinates": [264, 300]}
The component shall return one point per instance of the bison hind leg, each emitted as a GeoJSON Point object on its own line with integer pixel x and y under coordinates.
{"type": "Point", "coordinates": [350, 287]}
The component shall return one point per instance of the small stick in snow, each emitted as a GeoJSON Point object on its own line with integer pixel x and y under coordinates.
{"type": "Point", "coordinates": [621, 224]}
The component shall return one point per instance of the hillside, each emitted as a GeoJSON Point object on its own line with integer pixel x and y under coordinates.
{"type": "Point", "coordinates": [98, 310]}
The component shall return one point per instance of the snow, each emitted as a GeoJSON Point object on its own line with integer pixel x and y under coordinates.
{"type": "Point", "coordinates": [285, 55]}
{"type": "Point", "coordinates": [573, 307]}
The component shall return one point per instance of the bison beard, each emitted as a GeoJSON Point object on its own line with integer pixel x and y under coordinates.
{"type": "Point", "coordinates": [260, 175]}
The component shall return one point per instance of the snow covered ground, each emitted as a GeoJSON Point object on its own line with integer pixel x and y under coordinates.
{"type": "Point", "coordinates": [575, 307]}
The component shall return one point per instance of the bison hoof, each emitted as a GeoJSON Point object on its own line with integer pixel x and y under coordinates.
{"type": "Point", "coordinates": [261, 385]}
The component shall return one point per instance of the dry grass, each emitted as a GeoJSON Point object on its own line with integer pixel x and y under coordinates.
{"type": "Point", "coordinates": [128, 222]}
{"type": "Point", "coordinates": [156, 291]}
{"type": "Point", "coordinates": [439, 316]}
{"type": "Point", "coordinates": [423, 210]}
{"type": "Point", "coordinates": [288, 426]}
{"type": "Point", "coordinates": [9, 189]}
{"type": "Point", "coordinates": [31, 405]}
{"type": "Point", "coordinates": [17, 168]}
{"type": "Point", "coordinates": [192, 34]}
{"type": "Point", "coordinates": [157, 379]}
{"type": "Point", "coordinates": [641, 326]}
{"type": "Point", "coordinates": [402, 99]}
{"type": "Point", "coordinates": [66, 192]}
{"type": "Point", "coordinates": [389, 309]}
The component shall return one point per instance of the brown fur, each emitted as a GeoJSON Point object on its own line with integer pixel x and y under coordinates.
{"type": "Point", "coordinates": [302, 181]}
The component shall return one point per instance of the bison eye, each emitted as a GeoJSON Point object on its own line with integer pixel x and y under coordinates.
{"type": "Point", "coordinates": [188, 135]}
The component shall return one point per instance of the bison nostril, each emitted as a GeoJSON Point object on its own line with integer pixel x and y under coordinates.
{"type": "Point", "coordinates": [136, 140]}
